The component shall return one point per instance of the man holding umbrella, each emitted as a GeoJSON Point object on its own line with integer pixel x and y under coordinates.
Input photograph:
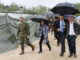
{"type": "Point", "coordinates": [61, 29]}
{"type": "Point", "coordinates": [66, 9]}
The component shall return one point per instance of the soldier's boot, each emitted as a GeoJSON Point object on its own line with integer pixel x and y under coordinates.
{"type": "Point", "coordinates": [33, 47]}
{"type": "Point", "coordinates": [29, 44]}
{"type": "Point", "coordinates": [22, 52]}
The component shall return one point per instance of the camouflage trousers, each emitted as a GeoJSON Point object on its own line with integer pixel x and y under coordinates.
{"type": "Point", "coordinates": [26, 41]}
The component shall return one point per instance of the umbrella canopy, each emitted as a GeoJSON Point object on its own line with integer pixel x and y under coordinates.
{"type": "Point", "coordinates": [38, 19]}
{"type": "Point", "coordinates": [78, 19]}
{"type": "Point", "coordinates": [65, 8]}
{"type": "Point", "coordinates": [66, 16]}
{"type": "Point", "coordinates": [50, 14]}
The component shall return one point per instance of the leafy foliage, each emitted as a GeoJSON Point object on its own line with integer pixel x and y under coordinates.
{"type": "Point", "coordinates": [78, 6]}
{"type": "Point", "coordinates": [13, 7]}
{"type": "Point", "coordinates": [36, 10]}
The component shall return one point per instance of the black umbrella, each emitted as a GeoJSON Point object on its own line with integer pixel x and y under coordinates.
{"type": "Point", "coordinates": [65, 8]}
{"type": "Point", "coordinates": [38, 19]}
{"type": "Point", "coordinates": [50, 14]}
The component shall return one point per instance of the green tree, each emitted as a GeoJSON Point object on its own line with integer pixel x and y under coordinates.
{"type": "Point", "coordinates": [13, 7]}
{"type": "Point", "coordinates": [42, 9]}
{"type": "Point", "coordinates": [1, 7]}
{"type": "Point", "coordinates": [78, 6]}
{"type": "Point", "coordinates": [36, 10]}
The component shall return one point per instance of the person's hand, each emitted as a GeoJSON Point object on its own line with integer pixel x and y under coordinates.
{"type": "Point", "coordinates": [76, 36]}
{"type": "Point", "coordinates": [28, 36]}
{"type": "Point", "coordinates": [64, 24]}
{"type": "Point", "coordinates": [58, 29]}
{"type": "Point", "coordinates": [17, 37]}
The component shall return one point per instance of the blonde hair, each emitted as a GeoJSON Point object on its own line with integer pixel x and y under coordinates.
{"type": "Point", "coordinates": [21, 17]}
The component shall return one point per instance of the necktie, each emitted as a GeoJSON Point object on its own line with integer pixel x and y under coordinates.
{"type": "Point", "coordinates": [62, 26]}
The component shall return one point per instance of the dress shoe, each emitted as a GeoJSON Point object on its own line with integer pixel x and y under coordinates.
{"type": "Point", "coordinates": [62, 54]}
{"type": "Point", "coordinates": [70, 55]}
{"type": "Point", "coordinates": [75, 56]}
{"type": "Point", "coordinates": [49, 49]}
{"type": "Point", "coordinates": [40, 52]}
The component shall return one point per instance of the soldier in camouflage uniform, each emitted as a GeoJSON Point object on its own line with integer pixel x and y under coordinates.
{"type": "Point", "coordinates": [23, 33]}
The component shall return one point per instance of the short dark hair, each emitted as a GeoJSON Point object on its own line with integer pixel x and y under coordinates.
{"type": "Point", "coordinates": [61, 14]}
{"type": "Point", "coordinates": [56, 17]}
{"type": "Point", "coordinates": [71, 16]}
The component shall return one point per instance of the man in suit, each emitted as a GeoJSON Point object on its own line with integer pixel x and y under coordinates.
{"type": "Point", "coordinates": [61, 29]}
{"type": "Point", "coordinates": [72, 32]}
{"type": "Point", "coordinates": [55, 29]}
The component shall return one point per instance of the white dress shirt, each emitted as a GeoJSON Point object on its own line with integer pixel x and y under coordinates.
{"type": "Point", "coordinates": [71, 29]}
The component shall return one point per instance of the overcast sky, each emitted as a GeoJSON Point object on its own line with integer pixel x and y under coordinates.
{"type": "Point", "coordinates": [31, 3]}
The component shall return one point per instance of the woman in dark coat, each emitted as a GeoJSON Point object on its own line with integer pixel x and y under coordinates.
{"type": "Point", "coordinates": [44, 29]}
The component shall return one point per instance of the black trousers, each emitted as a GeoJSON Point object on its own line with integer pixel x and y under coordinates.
{"type": "Point", "coordinates": [40, 43]}
{"type": "Point", "coordinates": [62, 40]}
{"type": "Point", "coordinates": [72, 44]}
{"type": "Point", "coordinates": [79, 30]}
{"type": "Point", "coordinates": [56, 34]}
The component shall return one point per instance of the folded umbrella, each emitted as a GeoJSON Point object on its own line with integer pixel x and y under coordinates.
{"type": "Point", "coordinates": [65, 8]}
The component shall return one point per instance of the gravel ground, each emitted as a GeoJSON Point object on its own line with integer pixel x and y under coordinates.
{"type": "Point", "coordinates": [46, 55]}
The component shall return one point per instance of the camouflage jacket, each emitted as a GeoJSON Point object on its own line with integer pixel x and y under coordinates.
{"type": "Point", "coordinates": [23, 30]}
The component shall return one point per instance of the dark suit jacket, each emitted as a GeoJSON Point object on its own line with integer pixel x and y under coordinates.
{"type": "Point", "coordinates": [55, 26]}
{"type": "Point", "coordinates": [58, 25]}
{"type": "Point", "coordinates": [76, 28]}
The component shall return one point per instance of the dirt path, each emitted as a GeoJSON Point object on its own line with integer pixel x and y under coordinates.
{"type": "Point", "coordinates": [46, 55]}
